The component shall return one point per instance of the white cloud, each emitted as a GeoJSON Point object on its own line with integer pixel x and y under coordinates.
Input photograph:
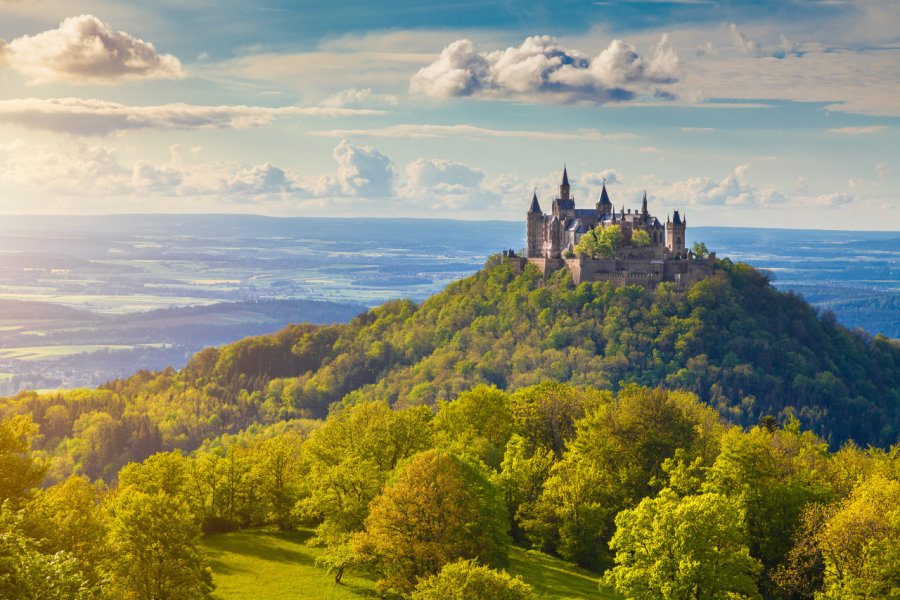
{"type": "Point", "coordinates": [882, 170]}
{"type": "Point", "coordinates": [99, 117]}
{"type": "Point", "coordinates": [84, 49]}
{"type": "Point", "coordinates": [541, 69]}
{"type": "Point", "coordinates": [362, 171]}
{"type": "Point", "coordinates": [858, 130]}
{"type": "Point", "coordinates": [418, 131]}
{"type": "Point", "coordinates": [441, 183]}
{"type": "Point", "coordinates": [608, 176]}
{"type": "Point", "coordinates": [732, 190]}
{"type": "Point", "coordinates": [356, 97]}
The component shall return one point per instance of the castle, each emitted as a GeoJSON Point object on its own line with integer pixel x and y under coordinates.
{"type": "Point", "coordinates": [658, 254]}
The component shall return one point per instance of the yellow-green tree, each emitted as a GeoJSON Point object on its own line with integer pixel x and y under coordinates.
{"type": "Point", "coordinates": [20, 471]}
{"type": "Point", "coordinates": [861, 544]}
{"type": "Point", "coordinates": [155, 545]}
{"type": "Point", "coordinates": [691, 548]}
{"type": "Point", "coordinates": [640, 238]}
{"type": "Point", "coordinates": [600, 241]}
{"type": "Point", "coordinates": [477, 423]}
{"type": "Point", "coordinates": [467, 580]}
{"type": "Point", "coordinates": [438, 509]}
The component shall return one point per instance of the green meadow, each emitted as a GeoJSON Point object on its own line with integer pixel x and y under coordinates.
{"type": "Point", "coordinates": [279, 565]}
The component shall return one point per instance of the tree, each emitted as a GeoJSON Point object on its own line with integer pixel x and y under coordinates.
{"type": "Point", "coordinates": [349, 459]}
{"type": "Point", "coordinates": [478, 423]}
{"type": "Point", "coordinates": [155, 543]}
{"type": "Point", "coordinates": [614, 460]}
{"type": "Point", "coordinates": [775, 475]}
{"type": "Point", "coordinates": [26, 573]}
{"type": "Point", "coordinates": [691, 548]}
{"type": "Point", "coordinates": [640, 239]}
{"type": "Point", "coordinates": [860, 543]}
{"type": "Point", "coordinates": [521, 479]}
{"type": "Point", "coordinates": [600, 241]}
{"type": "Point", "coordinates": [438, 509]}
{"type": "Point", "coordinates": [19, 469]}
{"type": "Point", "coordinates": [467, 580]}
{"type": "Point", "coordinates": [700, 250]}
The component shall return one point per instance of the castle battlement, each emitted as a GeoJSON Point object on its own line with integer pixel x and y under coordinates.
{"type": "Point", "coordinates": [656, 255]}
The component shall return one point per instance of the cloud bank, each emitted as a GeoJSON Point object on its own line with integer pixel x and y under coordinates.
{"type": "Point", "coordinates": [541, 69]}
{"type": "Point", "coordinates": [84, 49]}
{"type": "Point", "coordinates": [98, 117]}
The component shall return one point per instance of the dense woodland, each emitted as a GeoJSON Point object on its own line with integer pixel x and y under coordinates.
{"type": "Point", "coordinates": [690, 444]}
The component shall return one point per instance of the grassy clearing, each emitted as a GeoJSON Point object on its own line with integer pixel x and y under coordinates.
{"type": "Point", "coordinates": [275, 565]}
{"type": "Point", "coordinates": [279, 565]}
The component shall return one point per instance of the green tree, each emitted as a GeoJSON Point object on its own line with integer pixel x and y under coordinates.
{"type": "Point", "coordinates": [521, 479]}
{"type": "Point", "coordinates": [640, 239]}
{"type": "Point", "coordinates": [700, 250]}
{"type": "Point", "coordinates": [467, 580]}
{"type": "Point", "coordinates": [348, 460]}
{"type": "Point", "coordinates": [438, 509]}
{"type": "Point", "coordinates": [774, 475]}
{"type": "Point", "coordinates": [477, 423]}
{"type": "Point", "coordinates": [155, 545]}
{"type": "Point", "coordinates": [691, 548]}
{"type": "Point", "coordinates": [600, 241]}
{"type": "Point", "coordinates": [615, 460]}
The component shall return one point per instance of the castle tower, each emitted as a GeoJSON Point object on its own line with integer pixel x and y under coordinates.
{"type": "Point", "coordinates": [676, 229]}
{"type": "Point", "coordinates": [534, 229]}
{"type": "Point", "coordinates": [604, 206]}
{"type": "Point", "coordinates": [564, 206]}
{"type": "Point", "coordinates": [644, 212]}
{"type": "Point", "coordinates": [564, 186]}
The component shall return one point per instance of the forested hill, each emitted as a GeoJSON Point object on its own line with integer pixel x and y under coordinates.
{"type": "Point", "coordinates": [742, 346]}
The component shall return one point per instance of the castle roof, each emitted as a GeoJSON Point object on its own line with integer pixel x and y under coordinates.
{"type": "Point", "coordinates": [604, 197]}
{"type": "Point", "coordinates": [676, 218]}
{"type": "Point", "coordinates": [535, 207]}
{"type": "Point", "coordinates": [565, 180]}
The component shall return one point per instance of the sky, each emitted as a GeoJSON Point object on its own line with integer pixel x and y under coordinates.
{"type": "Point", "coordinates": [773, 113]}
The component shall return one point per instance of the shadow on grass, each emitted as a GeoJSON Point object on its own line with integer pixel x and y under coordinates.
{"type": "Point", "coordinates": [554, 578]}
{"type": "Point", "coordinates": [262, 545]}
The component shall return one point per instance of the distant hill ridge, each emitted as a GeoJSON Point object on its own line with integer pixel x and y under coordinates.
{"type": "Point", "coordinates": [742, 346]}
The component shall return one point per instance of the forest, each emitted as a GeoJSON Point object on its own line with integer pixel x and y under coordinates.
{"type": "Point", "coordinates": [719, 441]}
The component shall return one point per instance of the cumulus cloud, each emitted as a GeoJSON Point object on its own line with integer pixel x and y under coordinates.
{"type": "Point", "coordinates": [541, 69]}
{"type": "Point", "coordinates": [84, 49]}
{"type": "Point", "coordinates": [362, 171]}
{"type": "Point", "coordinates": [357, 97]}
{"type": "Point", "coordinates": [99, 117]}
{"type": "Point", "coordinates": [732, 190]}
{"type": "Point", "coordinates": [77, 171]}
{"type": "Point", "coordinates": [424, 130]}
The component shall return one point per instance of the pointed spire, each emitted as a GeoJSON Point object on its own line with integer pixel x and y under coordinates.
{"type": "Point", "coordinates": [535, 207]}
{"type": "Point", "coordinates": [604, 197]}
{"type": "Point", "coordinates": [565, 180]}
{"type": "Point", "coordinates": [676, 218]}
{"type": "Point", "coordinates": [644, 205]}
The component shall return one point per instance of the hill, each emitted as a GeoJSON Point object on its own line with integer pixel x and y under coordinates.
{"type": "Point", "coordinates": [743, 347]}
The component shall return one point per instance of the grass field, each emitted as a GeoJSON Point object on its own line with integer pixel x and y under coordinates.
{"type": "Point", "coordinates": [281, 565]}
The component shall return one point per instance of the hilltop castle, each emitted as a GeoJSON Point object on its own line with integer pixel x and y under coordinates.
{"type": "Point", "coordinates": [660, 255]}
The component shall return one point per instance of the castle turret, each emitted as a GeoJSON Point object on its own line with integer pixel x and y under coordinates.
{"type": "Point", "coordinates": [676, 234]}
{"type": "Point", "coordinates": [534, 228]}
{"type": "Point", "coordinates": [644, 212]}
{"type": "Point", "coordinates": [564, 186]}
{"type": "Point", "coordinates": [604, 206]}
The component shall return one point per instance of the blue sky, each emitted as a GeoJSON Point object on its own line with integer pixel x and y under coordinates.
{"type": "Point", "coordinates": [770, 114]}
